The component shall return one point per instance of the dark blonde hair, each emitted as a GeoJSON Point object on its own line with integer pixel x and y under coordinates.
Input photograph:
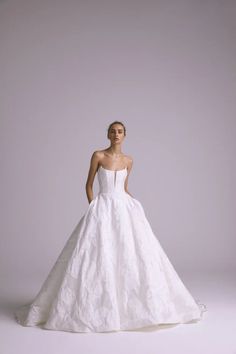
{"type": "Point", "coordinates": [116, 122]}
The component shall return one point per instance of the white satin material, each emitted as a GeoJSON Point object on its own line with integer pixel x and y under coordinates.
{"type": "Point", "coordinates": [112, 273]}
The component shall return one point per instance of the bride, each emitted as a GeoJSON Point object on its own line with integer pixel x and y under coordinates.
{"type": "Point", "coordinates": [112, 273]}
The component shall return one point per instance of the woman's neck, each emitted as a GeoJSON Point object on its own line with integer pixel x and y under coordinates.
{"type": "Point", "coordinates": [114, 150]}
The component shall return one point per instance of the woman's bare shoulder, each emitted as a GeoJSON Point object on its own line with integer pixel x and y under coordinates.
{"type": "Point", "coordinates": [129, 160]}
{"type": "Point", "coordinates": [98, 154]}
{"type": "Point", "coordinates": [129, 157]}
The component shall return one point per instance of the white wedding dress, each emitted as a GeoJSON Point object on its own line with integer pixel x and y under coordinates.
{"type": "Point", "coordinates": [112, 273]}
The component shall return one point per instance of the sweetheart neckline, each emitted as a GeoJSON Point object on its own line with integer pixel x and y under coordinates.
{"type": "Point", "coordinates": [112, 170]}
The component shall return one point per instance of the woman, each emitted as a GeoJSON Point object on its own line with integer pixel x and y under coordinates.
{"type": "Point", "coordinates": [112, 273]}
{"type": "Point", "coordinates": [111, 157]}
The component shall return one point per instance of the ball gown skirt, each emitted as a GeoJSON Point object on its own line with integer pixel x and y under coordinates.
{"type": "Point", "coordinates": [112, 273]}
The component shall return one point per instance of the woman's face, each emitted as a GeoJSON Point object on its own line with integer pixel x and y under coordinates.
{"type": "Point", "coordinates": [116, 134]}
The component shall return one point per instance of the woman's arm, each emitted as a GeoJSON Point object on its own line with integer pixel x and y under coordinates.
{"type": "Point", "coordinates": [91, 174]}
{"type": "Point", "coordinates": [129, 167]}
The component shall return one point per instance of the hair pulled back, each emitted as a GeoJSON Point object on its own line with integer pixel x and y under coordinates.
{"type": "Point", "coordinates": [116, 122]}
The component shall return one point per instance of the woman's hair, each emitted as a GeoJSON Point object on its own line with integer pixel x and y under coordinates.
{"type": "Point", "coordinates": [116, 122]}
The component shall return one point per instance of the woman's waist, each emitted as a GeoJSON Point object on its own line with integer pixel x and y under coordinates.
{"type": "Point", "coordinates": [120, 192]}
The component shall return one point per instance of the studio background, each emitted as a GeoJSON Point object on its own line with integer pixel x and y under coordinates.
{"type": "Point", "coordinates": [167, 70]}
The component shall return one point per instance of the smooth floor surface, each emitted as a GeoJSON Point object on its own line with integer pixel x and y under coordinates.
{"type": "Point", "coordinates": [215, 334]}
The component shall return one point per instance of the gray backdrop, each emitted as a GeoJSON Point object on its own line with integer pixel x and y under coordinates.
{"type": "Point", "coordinates": [167, 70]}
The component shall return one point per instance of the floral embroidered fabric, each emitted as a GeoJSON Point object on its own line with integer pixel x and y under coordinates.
{"type": "Point", "coordinates": [112, 273]}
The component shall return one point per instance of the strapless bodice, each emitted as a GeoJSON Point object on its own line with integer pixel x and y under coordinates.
{"type": "Point", "coordinates": [111, 181]}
